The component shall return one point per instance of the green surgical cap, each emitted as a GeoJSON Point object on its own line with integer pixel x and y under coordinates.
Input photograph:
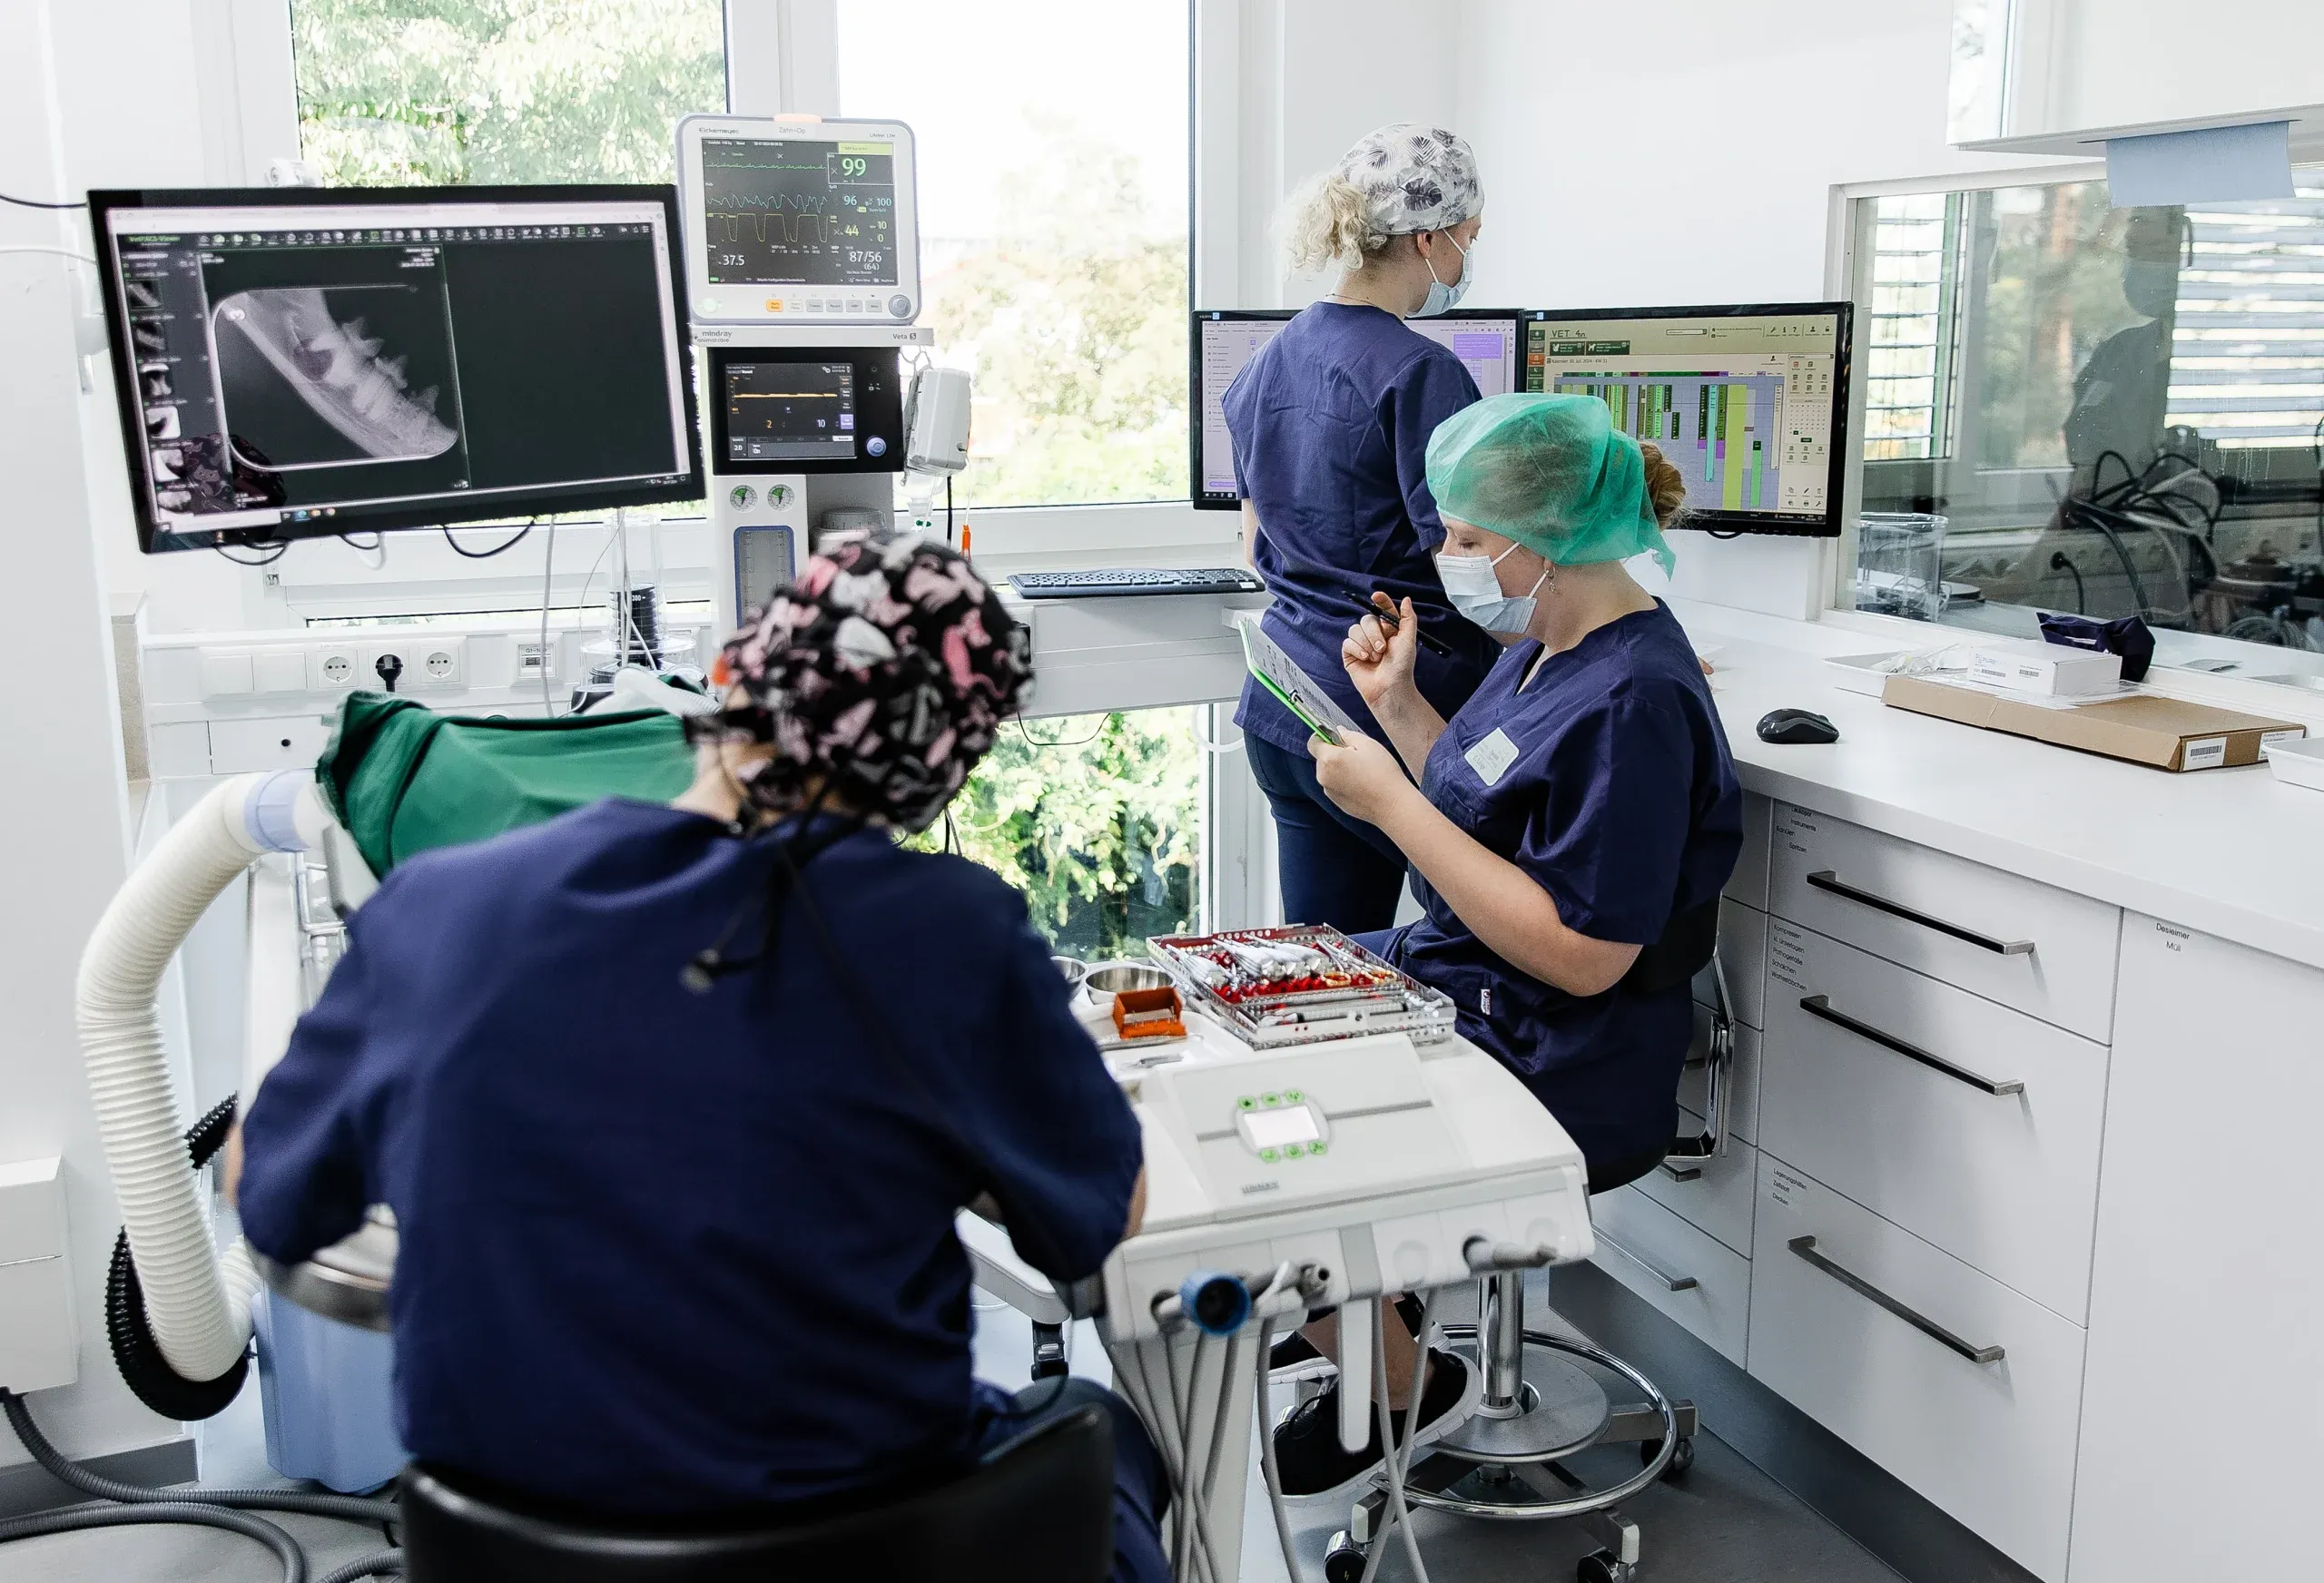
{"type": "Point", "coordinates": [1551, 472]}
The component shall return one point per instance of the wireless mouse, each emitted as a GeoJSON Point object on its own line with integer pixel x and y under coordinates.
{"type": "Point", "coordinates": [1797, 725]}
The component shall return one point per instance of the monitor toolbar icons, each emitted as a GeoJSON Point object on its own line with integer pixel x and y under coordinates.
{"type": "Point", "coordinates": [420, 236]}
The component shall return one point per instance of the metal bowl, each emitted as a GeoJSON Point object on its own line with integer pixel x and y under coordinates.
{"type": "Point", "coordinates": [1110, 979]}
{"type": "Point", "coordinates": [1074, 969]}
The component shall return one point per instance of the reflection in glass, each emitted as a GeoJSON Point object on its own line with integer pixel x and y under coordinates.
{"type": "Point", "coordinates": [2098, 410]}
{"type": "Point", "coordinates": [1974, 99]}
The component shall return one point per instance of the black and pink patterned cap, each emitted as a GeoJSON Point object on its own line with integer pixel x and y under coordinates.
{"type": "Point", "coordinates": [1413, 178]}
{"type": "Point", "coordinates": [886, 670]}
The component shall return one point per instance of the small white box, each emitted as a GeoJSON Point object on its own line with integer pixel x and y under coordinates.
{"type": "Point", "coordinates": [2052, 671]}
{"type": "Point", "coordinates": [38, 1340]}
{"type": "Point", "coordinates": [2297, 761]}
{"type": "Point", "coordinates": [1865, 673]}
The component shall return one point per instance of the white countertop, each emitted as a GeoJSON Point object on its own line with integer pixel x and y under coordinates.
{"type": "Point", "coordinates": [2229, 852]}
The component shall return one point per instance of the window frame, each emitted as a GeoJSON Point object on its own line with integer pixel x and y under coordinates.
{"type": "Point", "coordinates": [1853, 218]}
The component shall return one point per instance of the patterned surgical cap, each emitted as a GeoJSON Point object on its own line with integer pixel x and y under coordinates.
{"type": "Point", "coordinates": [1414, 178]}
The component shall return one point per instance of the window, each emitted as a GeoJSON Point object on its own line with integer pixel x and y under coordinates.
{"type": "Point", "coordinates": [1909, 362]}
{"type": "Point", "coordinates": [1053, 146]}
{"type": "Point", "coordinates": [419, 93]}
{"type": "Point", "coordinates": [1098, 819]}
{"type": "Point", "coordinates": [2107, 411]}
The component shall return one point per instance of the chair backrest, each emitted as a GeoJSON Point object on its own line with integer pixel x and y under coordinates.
{"type": "Point", "coordinates": [1040, 1510]}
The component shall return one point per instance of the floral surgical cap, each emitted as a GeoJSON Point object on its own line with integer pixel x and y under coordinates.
{"type": "Point", "coordinates": [1413, 178]}
{"type": "Point", "coordinates": [886, 671]}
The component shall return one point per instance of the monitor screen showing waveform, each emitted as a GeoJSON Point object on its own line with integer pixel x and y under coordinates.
{"type": "Point", "coordinates": [784, 212]}
{"type": "Point", "coordinates": [790, 412]}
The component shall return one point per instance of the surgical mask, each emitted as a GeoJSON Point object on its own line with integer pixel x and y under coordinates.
{"type": "Point", "coordinates": [2150, 287]}
{"type": "Point", "coordinates": [1442, 297]}
{"type": "Point", "coordinates": [1468, 582]}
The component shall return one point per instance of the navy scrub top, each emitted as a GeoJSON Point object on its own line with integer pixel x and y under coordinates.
{"type": "Point", "coordinates": [1331, 422]}
{"type": "Point", "coordinates": [1608, 781]}
{"type": "Point", "coordinates": [665, 1252]}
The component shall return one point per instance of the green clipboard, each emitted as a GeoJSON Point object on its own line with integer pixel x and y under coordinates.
{"type": "Point", "coordinates": [1297, 708]}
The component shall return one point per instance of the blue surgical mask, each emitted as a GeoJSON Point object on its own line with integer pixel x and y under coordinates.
{"type": "Point", "coordinates": [1468, 582]}
{"type": "Point", "coordinates": [1442, 297]}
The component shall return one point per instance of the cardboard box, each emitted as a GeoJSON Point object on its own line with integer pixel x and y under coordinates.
{"type": "Point", "coordinates": [2054, 670]}
{"type": "Point", "coordinates": [2144, 729]}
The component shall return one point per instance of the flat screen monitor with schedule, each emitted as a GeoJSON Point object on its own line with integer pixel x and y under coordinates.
{"type": "Point", "coordinates": [1750, 402]}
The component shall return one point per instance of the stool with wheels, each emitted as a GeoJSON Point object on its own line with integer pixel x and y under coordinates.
{"type": "Point", "coordinates": [1540, 1408]}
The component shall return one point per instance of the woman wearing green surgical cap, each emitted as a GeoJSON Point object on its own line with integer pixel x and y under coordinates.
{"type": "Point", "coordinates": [1573, 823]}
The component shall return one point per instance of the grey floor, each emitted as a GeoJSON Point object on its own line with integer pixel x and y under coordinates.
{"type": "Point", "coordinates": [1725, 1522]}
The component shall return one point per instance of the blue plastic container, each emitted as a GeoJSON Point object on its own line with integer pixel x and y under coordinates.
{"type": "Point", "coordinates": [327, 1390]}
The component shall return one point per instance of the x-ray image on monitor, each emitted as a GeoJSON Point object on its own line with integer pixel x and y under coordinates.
{"type": "Point", "coordinates": [319, 377]}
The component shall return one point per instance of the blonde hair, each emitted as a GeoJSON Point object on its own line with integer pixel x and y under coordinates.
{"type": "Point", "coordinates": [1666, 486]}
{"type": "Point", "coordinates": [1327, 220]}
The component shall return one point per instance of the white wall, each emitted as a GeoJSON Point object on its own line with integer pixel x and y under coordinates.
{"type": "Point", "coordinates": [63, 811]}
{"type": "Point", "coordinates": [1688, 152]}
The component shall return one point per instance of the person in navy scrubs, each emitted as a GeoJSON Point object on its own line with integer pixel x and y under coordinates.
{"type": "Point", "coordinates": [676, 1104]}
{"type": "Point", "coordinates": [1330, 423]}
{"type": "Point", "coordinates": [1572, 823]}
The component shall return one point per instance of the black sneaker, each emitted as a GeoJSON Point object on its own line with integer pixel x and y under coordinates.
{"type": "Point", "coordinates": [1294, 1357]}
{"type": "Point", "coordinates": [1307, 1444]}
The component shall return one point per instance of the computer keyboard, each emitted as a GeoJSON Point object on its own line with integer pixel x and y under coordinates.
{"type": "Point", "coordinates": [1111, 582]}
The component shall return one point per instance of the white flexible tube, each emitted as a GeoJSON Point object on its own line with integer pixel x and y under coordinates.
{"type": "Point", "coordinates": [198, 1304]}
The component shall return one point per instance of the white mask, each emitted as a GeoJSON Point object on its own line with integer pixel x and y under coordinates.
{"type": "Point", "coordinates": [1468, 582]}
{"type": "Point", "coordinates": [1442, 297]}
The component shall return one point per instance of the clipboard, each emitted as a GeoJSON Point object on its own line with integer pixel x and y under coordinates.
{"type": "Point", "coordinates": [1292, 687]}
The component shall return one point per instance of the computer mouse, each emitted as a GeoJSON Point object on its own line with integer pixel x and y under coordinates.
{"type": "Point", "coordinates": [1788, 726]}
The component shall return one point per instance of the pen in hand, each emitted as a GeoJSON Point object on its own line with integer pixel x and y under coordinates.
{"type": "Point", "coordinates": [1386, 609]}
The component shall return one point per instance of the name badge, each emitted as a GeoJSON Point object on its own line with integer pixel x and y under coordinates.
{"type": "Point", "coordinates": [1492, 757]}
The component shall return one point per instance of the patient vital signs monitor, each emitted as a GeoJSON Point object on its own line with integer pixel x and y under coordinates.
{"type": "Point", "coordinates": [799, 220]}
{"type": "Point", "coordinates": [1750, 403]}
{"type": "Point", "coordinates": [1485, 340]}
{"type": "Point", "coordinates": [295, 362]}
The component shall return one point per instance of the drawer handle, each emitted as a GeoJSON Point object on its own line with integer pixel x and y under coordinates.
{"type": "Point", "coordinates": [1806, 1248]}
{"type": "Point", "coordinates": [1676, 1283]}
{"type": "Point", "coordinates": [1821, 1005]}
{"type": "Point", "coordinates": [1825, 880]}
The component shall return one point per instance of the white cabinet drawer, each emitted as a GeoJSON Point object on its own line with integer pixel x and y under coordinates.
{"type": "Point", "coordinates": [2045, 951]}
{"type": "Point", "coordinates": [285, 743]}
{"type": "Point", "coordinates": [1718, 1195]}
{"type": "Point", "coordinates": [1880, 1363]}
{"type": "Point", "coordinates": [1876, 1081]}
{"type": "Point", "coordinates": [1689, 1276]}
{"type": "Point", "coordinates": [1743, 954]}
{"type": "Point", "coordinates": [1694, 1083]}
{"type": "Point", "coordinates": [1749, 883]}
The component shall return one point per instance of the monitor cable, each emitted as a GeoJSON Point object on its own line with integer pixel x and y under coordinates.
{"type": "Point", "coordinates": [36, 202]}
{"type": "Point", "coordinates": [501, 548]}
{"type": "Point", "coordinates": [282, 548]}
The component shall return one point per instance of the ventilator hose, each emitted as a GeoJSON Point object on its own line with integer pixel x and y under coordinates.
{"type": "Point", "coordinates": [143, 1368]}
{"type": "Point", "coordinates": [66, 1471]}
{"type": "Point", "coordinates": [197, 1303]}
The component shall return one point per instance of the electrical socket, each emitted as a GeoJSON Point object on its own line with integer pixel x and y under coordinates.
{"type": "Point", "coordinates": [334, 668]}
{"type": "Point", "coordinates": [535, 661]}
{"type": "Point", "coordinates": [423, 662]}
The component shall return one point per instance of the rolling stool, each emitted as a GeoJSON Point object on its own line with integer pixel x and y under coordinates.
{"type": "Point", "coordinates": [1539, 1408]}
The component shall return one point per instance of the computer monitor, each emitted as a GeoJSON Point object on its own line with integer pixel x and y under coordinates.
{"type": "Point", "coordinates": [1750, 402]}
{"type": "Point", "coordinates": [799, 220]}
{"type": "Point", "coordinates": [298, 362]}
{"type": "Point", "coordinates": [1484, 339]}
